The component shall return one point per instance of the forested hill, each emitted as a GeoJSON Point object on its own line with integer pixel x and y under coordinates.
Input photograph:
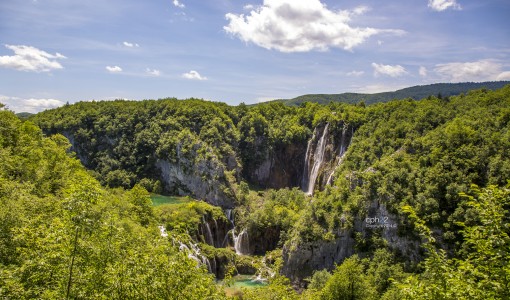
{"type": "Point", "coordinates": [347, 196]}
{"type": "Point", "coordinates": [414, 92]}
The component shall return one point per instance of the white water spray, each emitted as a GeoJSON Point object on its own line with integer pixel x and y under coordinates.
{"type": "Point", "coordinates": [241, 242]}
{"type": "Point", "coordinates": [310, 174]}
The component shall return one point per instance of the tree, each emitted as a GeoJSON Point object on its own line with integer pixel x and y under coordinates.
{"type": "Point", "coordinates": [348, 282]}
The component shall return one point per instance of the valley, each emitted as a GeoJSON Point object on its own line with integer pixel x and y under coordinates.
{"type": "Point", "coordinates": [292, 202]}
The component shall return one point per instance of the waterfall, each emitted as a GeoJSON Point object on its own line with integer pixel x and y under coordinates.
{"type": "Point", "coordinates": [230, 215]}
{"type": "Point", "coordinates": [308, 159]}
{"type": "Point", "coordinates": [162, 231]}
{"type": "Point", "coordinates": [208, 233]}
{"type": "Point", "coordinates": [343, 148]}
{"type": "Point", "coordinates": [194, 253]}
{"type": "Point", "coordinates": [310, 174]}
{"type": "Point", "coordinates": [241, 242]}
{"type": "Point", "coordinates": [217, 242]}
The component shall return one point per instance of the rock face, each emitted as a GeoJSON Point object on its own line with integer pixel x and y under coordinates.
{"type": "Point", "coordinates": [281, 168]}
{"type": "Point", "coordinates": [265, 240]}
{"type": "Point", "coordinates": [204, 180]}
{"type": "Point", "coordinates": [215, 232]}
{"type": "Point", "coordinates": [80, 153]}
{"type": "Point", "coordinates": [301, 259]}
{"type": "Point", "coordinates": [293, 165]}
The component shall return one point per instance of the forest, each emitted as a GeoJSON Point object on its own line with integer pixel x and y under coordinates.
{"type": "Point", "coordinates": [416, 92]}
{"type": "Point", "coordinates": [406, 199]}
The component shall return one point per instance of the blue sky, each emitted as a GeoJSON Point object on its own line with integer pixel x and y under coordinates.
{"type": "Point", "coordinates": [57, 51]}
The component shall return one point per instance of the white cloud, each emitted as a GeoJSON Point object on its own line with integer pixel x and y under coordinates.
{"type": "Point", "coordinates": [178, 4]}
{"type": "Point", "coordinates": [27, 58]}
{"type": "Point", "coordinates": [114, 69]}
{"type": "Point", "coordinates": [423, 71]}
{"type": "Point", "coordinates": [355, 73]}
{"type": "Point", "coordinates": [481, 70]}
{"type": "Point", "coordinates": [393, 71]}
{"type": "Point", "coordinates": [193, 75]}
{"type": "Point", "coordinates": [300, 26]}
{"type": "Point", "coordinates": [31, 105]}
{"type": "Point", "coordinates": [130, 45]}
{"type": "Point", "coordinates": [440, 5]}
{"type": "Point", "coordinates": [248, 7]}
{"type": "Point", "coordinates": [152, 72]}
{"type": "Point", "coordinates": [503, 76]}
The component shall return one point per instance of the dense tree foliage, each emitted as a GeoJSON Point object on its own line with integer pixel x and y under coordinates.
{"type": "Point", "coordinates": [63, 235]}
{"type": "Point", "coordinates": [416, 92]}
{"type": "Point", "coordinates": [422, 154]}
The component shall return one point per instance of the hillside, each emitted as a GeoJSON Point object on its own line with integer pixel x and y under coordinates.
{"type": "Point", "coordinates": [414, 92]}
{"type": "Point", "coordinates": [398, 200]}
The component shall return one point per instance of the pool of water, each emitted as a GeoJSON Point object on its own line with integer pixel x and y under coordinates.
{"type": "Point", "coordinates": [161, 199]}
{"type": "Point", "coordinates": [242, 281]}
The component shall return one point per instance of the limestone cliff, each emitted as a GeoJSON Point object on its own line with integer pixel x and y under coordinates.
{"type": "Point", "coordinates": [203, 179]}
{"type": "Point", "coordinates": [281, 167]}
{"type": "Point", "coordinates": [302, 258]}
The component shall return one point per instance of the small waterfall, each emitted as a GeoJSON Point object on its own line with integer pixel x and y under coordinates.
{"type": "Point", "coordinates": [229, 213]}
{"type": "Point", "coordinates": [230, 216]}
{"type": "Point", "coordinates": [217, 242]}
{"type": "Point", "coordinates": [194, 253]}
{"type": "Point", "coordinates": [241, 242]}
{"type": "Point", "coordinates": [208, 233]}
{"type": "Point", "coordinates": [264, 272]}
{"type": "Point", "coordinates": [162, 231]}
{"type": "Point", "coordinates": [310, 174]}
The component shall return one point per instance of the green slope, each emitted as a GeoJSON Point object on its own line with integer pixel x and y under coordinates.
{"type": "Point", "coordinates": [415, 92]}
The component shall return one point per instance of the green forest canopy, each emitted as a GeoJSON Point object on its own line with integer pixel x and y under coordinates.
{"type": "Point", "coordinates": [62, 233]}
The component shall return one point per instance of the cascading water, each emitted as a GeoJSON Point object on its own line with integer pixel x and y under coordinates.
{"type": "Point", "coordinates": [308, 158]}
{"type": "Point", "coordinates": [208, 233]}
{"type": "Point", "coordinates": [162, 231]}
{"type": "Point", "coordinates": [241, 242]}
{"type": "Point", "coordinates": [310, 174]}
{"type": "Point", "coordinates": [230, 216]}
{"type": "Point", "coordinates": [194, 253]}
{"type": "Point", "coordinates": [216, 234]}
{"type": "Point", "coordinates": [229, 213]}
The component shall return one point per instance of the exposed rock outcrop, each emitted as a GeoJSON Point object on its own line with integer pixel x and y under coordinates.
{"type": "Point", "coordinates": [302, 258]}
{"type": "Point", "coordinates": [264, 240]}
{"type": "Point", "coordinates": [204, 180]}
{"type": "Point", "coordinates": [281, 168]}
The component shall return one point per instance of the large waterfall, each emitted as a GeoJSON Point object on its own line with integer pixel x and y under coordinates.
{"type": "Point", "coordinates": [313, 160]}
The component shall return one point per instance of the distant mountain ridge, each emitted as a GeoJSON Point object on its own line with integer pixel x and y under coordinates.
{"type": "Point", "coordinates": [416, 92]}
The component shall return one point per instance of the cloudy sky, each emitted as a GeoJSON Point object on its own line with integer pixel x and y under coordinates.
{"type": "Point", "coordinates": [57, 51]}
